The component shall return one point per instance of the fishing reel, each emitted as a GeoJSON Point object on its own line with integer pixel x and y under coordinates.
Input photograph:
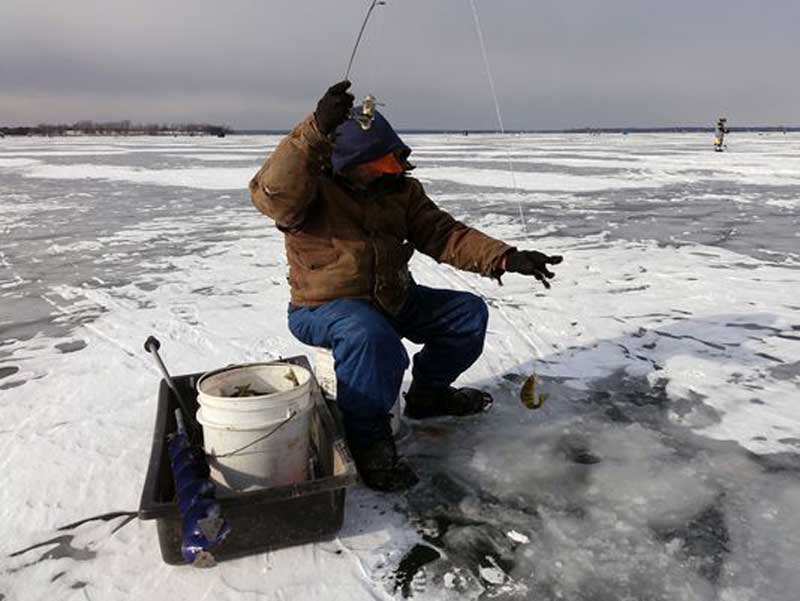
{"type": "Point", "coordinates": [367, 114]}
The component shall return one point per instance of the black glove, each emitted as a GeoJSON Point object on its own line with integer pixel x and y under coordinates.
{"type": "Point", "coordinates": [532, 262]}
{"type": "Point", "coordinates": [333, 108]}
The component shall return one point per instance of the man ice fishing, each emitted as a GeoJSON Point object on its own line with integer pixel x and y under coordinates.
{"type": "Point", "coordinates": [352, 217]}
{"type": "Point", "coordinates": [719, 134]}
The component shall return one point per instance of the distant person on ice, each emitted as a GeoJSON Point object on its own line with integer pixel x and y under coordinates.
{"type": "Point", "coordinates": [352, 218]}
{"type": "Point", "coordinates": [719, 134]}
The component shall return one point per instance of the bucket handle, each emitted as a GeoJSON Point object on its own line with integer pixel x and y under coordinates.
{"type": "Point", "coordinates": [289, 416]}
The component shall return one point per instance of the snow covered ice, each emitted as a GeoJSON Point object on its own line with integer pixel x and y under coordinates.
{"type": "Point", "coordinates": [665, 463]}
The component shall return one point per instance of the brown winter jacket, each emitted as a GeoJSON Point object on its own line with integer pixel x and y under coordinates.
{"type": "Point", "coordinates": [342, 242]}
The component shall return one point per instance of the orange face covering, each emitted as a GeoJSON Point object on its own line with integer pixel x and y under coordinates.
{"type": "Point", "coordinates": [387, 164]}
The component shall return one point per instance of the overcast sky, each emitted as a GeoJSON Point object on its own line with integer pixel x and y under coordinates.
{"type": "Point", "coordinates": [263, 64]}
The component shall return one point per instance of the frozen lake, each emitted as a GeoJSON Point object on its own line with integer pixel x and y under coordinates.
{"type": "Point", "coordinates": [664, 465]}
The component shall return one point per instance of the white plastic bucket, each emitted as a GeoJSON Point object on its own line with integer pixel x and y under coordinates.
{"type": "Point", "coordinates": [325, 371]}
{"type": "Point", "coordinates": [257, 441]}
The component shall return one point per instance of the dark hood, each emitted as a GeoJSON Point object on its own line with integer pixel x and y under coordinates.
{"type": "Point", "coordinates": [354, 145]}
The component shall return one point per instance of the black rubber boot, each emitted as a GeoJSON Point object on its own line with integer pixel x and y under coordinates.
{"type": "Point", "coordinates": [380, 467]}
{"type": "Point", "coordinates": [423, 402]}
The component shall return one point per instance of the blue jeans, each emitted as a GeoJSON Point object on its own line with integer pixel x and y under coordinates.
{"type": "Point", "coordinates": [370, 358]}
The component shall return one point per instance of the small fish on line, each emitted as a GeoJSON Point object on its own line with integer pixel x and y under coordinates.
{"type": "Point", "coordinates": [529, 396]}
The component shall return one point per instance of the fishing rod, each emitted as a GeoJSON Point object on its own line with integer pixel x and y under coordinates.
{"type": "Point", "coordinates": [361, 33]}
{"type": "Point", "coordinates": [367, 115]}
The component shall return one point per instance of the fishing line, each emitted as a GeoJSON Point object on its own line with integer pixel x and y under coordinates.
{"type": "Point", "coordinates": [490, 77]}
{"type": "Point", "coordinates": [498, 112]}
{"type": "Point", "coordinates": [530, 395]}
{"type": "Point", "coordinates": [361, 33]}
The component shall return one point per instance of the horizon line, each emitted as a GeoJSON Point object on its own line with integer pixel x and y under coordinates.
{"type": "Point", "coordinates": [587, 129]}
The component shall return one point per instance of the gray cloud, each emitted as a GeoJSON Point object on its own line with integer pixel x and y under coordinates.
{"type": "Point", "coordinates": [263, 64]}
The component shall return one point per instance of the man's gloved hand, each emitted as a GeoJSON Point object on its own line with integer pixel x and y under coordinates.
{"type": "Point", "coordinates": [334, 107]}
{"type": "Point", "coordinates": [531, 262]}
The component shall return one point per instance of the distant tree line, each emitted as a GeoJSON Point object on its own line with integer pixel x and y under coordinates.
{"type": "Point", "coordinates": [118, 128]}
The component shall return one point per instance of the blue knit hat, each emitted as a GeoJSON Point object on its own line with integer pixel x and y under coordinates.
{"type": "Point", "coordinates": [354, 145]}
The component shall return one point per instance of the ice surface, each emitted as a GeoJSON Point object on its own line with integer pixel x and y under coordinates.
{"type": "Point", "coordinates": [664, 464]}
{"type": "Point", "coordinates": [16, 162]}
{"type": "Point", "coordinates": [207, 178]}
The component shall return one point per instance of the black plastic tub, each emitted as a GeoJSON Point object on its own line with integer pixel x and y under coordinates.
{"type": "Point", "coordinates": [260, 520]}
